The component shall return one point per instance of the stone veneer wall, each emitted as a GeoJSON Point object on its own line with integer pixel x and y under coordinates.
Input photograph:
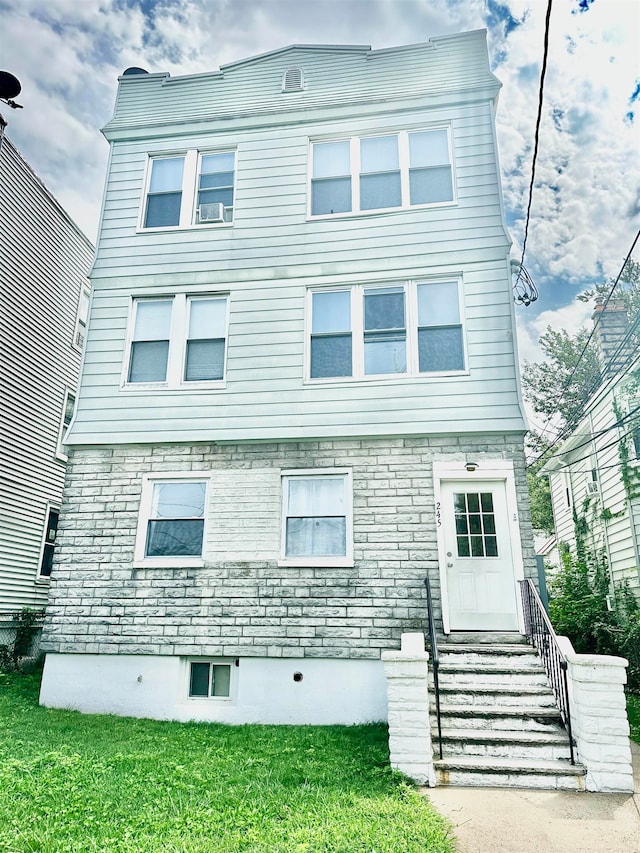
{"type": "Point", "coordinates": [100, 604]}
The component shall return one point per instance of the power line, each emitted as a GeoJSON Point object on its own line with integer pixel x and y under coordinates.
{"type": "Point", "coordinates": [604, 308]}
{"type": "Point", "coordinates": [527, 299]}
{"type": "Point", "coordinates": [572, 423]}
{"type": "Point", "coordinates": [613, 443]}
{"type": "Point", "coordinates": [599, 433]}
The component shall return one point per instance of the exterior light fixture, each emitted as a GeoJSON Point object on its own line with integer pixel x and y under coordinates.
{"type": "Point", "coordinates": [471, 466]}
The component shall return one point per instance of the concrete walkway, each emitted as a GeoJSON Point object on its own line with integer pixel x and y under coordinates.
{"type": "Point", "coordinates": [498, 820]}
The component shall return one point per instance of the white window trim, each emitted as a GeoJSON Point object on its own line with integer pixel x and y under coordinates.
{"type": "Point", "coordinates": [45, 579]}
{"type": "Point", "coordinates": [403, 158]}
{"type": "Point", "coordinates": [188, 203]}
{"type": "Point", "coordinates": [345, 561]}
{"type": "Point", "coordinates": [357, 332]}
{"type": "Point", "coordinates": [60, 454]}
{"type": "Point", "coordinates": [178, 332]}
{"type": "Point", "coordinates": [217, 661]}
{"type": "Point", "coordinates": [84, 289]}
{"type": "Point", "coordinates": [144, 512]}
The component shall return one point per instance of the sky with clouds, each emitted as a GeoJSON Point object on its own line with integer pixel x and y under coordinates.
{"type": "Point", "coordinates": [586, 203]}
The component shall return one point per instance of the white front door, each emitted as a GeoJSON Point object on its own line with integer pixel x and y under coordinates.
{"type": "Point", "coordinates": [479, 564]}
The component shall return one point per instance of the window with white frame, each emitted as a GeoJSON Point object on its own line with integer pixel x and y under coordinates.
{"type": "Point", "coordinates": [149, 354]}
{"type": "Point", "coordinates": [215, 188]}
{"type": "Point", "coordinates": [164, 192]}
{"type": "Point", "coordinates": [189, 189]}
{"type": "Point", "coordinates": [172, 518]}
{"type": "Point", "coordinates": [317, 516]}
{"type": "Point", "coordinates": [384, 330]}
{"type": "Point", "coordinates": [68, 409]}
{"type": "Point", "coordinates": [49, 544]}
{"type": "Point", "coordinates": [206, 339]}
{"type": "Point", "coordinates": [410, 328]}
{"type": "Point", "coordinates": [178, 340]}
{"type": "Point", "coordinates": [440, 343]}
{"type": "Point", "coordinates": [80, 333]}
{"type": "Point", "coordinates": [397, 170]}
{"type": "Point", "coordinates": [209, 679]}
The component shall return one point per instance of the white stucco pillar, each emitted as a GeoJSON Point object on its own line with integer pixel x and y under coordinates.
{"type": "Point", "coordinates": [599, 718]}
{"type": "Point", "coordinates": [408, 698]}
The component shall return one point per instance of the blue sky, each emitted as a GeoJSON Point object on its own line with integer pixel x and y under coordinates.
{"type": "Point", "coordinates": [586, 204]}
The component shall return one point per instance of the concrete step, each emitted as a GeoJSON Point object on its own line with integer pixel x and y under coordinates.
{"type": "Point", "coordinates": [503, 649]}
{"type": "Point", "coordinates": [496, 694]}
{"type": "Point", "coordinates": [479, 771]}
{"type": "Point", "coordinates": [495, 666]}
{"type": "Point", "coordinates": [546, 746]}
{"type": "Point", "coordinates": [482, 638]}
{"type": "Point", "coordinates": [468, 678]}
{"type": "Point", "coordinates": [506, 718]}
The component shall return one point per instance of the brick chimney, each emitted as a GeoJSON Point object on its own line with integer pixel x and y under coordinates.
{"type": "Point", "coordinates": [611, 325]}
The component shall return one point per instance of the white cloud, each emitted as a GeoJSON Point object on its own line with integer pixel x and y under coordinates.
{"type": "Point", "coordinates": [69, 54]}
{"type": "Point", "coordinates": [572, 317]}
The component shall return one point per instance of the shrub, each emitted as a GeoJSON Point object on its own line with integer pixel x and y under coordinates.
{"type": "Point", "coordinates": [13, 654]}
{"type": "Point", "coordinates": [579, 608]}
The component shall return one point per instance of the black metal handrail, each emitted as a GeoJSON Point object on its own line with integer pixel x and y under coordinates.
{"type": "Point", "coordinates": [435, 659]}
{"type": "Point", "coordinates": [539, 630]}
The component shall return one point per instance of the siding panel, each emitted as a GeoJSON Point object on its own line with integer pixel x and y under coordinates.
{"type": "Point", "coordinates": [44, 261]}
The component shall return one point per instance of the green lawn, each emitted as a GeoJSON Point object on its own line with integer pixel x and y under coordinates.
{"type": "Point", "coordinates": [70, 782]}
{"type": "Point", "coordinates": [633, 709]}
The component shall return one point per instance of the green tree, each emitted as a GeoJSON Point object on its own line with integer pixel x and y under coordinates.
{"type": "Point", "coordinates": [540, 500]}
{"type": "Point", "coordinates": [581, 607]}
{"type": "Point", "coordinates": [556, 388]}
{"type": "Point", "coordinates": [559, 386]}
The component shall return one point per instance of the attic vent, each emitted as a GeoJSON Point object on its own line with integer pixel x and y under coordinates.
{"type": "Point", "coordinates": [292, 80]}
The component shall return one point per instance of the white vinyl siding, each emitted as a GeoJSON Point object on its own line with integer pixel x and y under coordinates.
{"type": "Point", "coordinates": [613, 522]}
{"type": "Point", "coordinates": [274, 255]}
{"type": "Point", "coordinates": [44, 260]}
{"type": "Point", "coordinates": [344, 77]}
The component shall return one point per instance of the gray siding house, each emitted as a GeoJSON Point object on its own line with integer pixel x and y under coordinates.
{"type": "Point", "coordinates": [44, 261]}
{"type": "Point", "coordinates": [300, 394]}
{"type": "Point", "coordinates": [595, 472]}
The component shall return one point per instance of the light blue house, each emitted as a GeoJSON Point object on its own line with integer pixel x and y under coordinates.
{"type": "Point", "coordinates": [300, 396]}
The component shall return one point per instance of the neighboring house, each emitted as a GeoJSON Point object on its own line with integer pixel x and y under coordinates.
{"type": "Point", "coordinates": [300, 393]}
{"type": "Point", "coordinates": [547, 549]}
{"type": "Point", "coordinates": [44, 262]}
{"type": "Point", "coordinates": [595, 473]}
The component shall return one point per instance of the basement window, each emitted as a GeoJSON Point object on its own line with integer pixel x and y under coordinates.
{"type": "Point", "coordinates": [209, 680]}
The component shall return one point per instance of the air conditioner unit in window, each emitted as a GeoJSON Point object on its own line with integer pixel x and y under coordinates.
{"type": "Point", "coordinates": [593, 488]}
{"type": "Point", "coordinates": [211, 212]}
